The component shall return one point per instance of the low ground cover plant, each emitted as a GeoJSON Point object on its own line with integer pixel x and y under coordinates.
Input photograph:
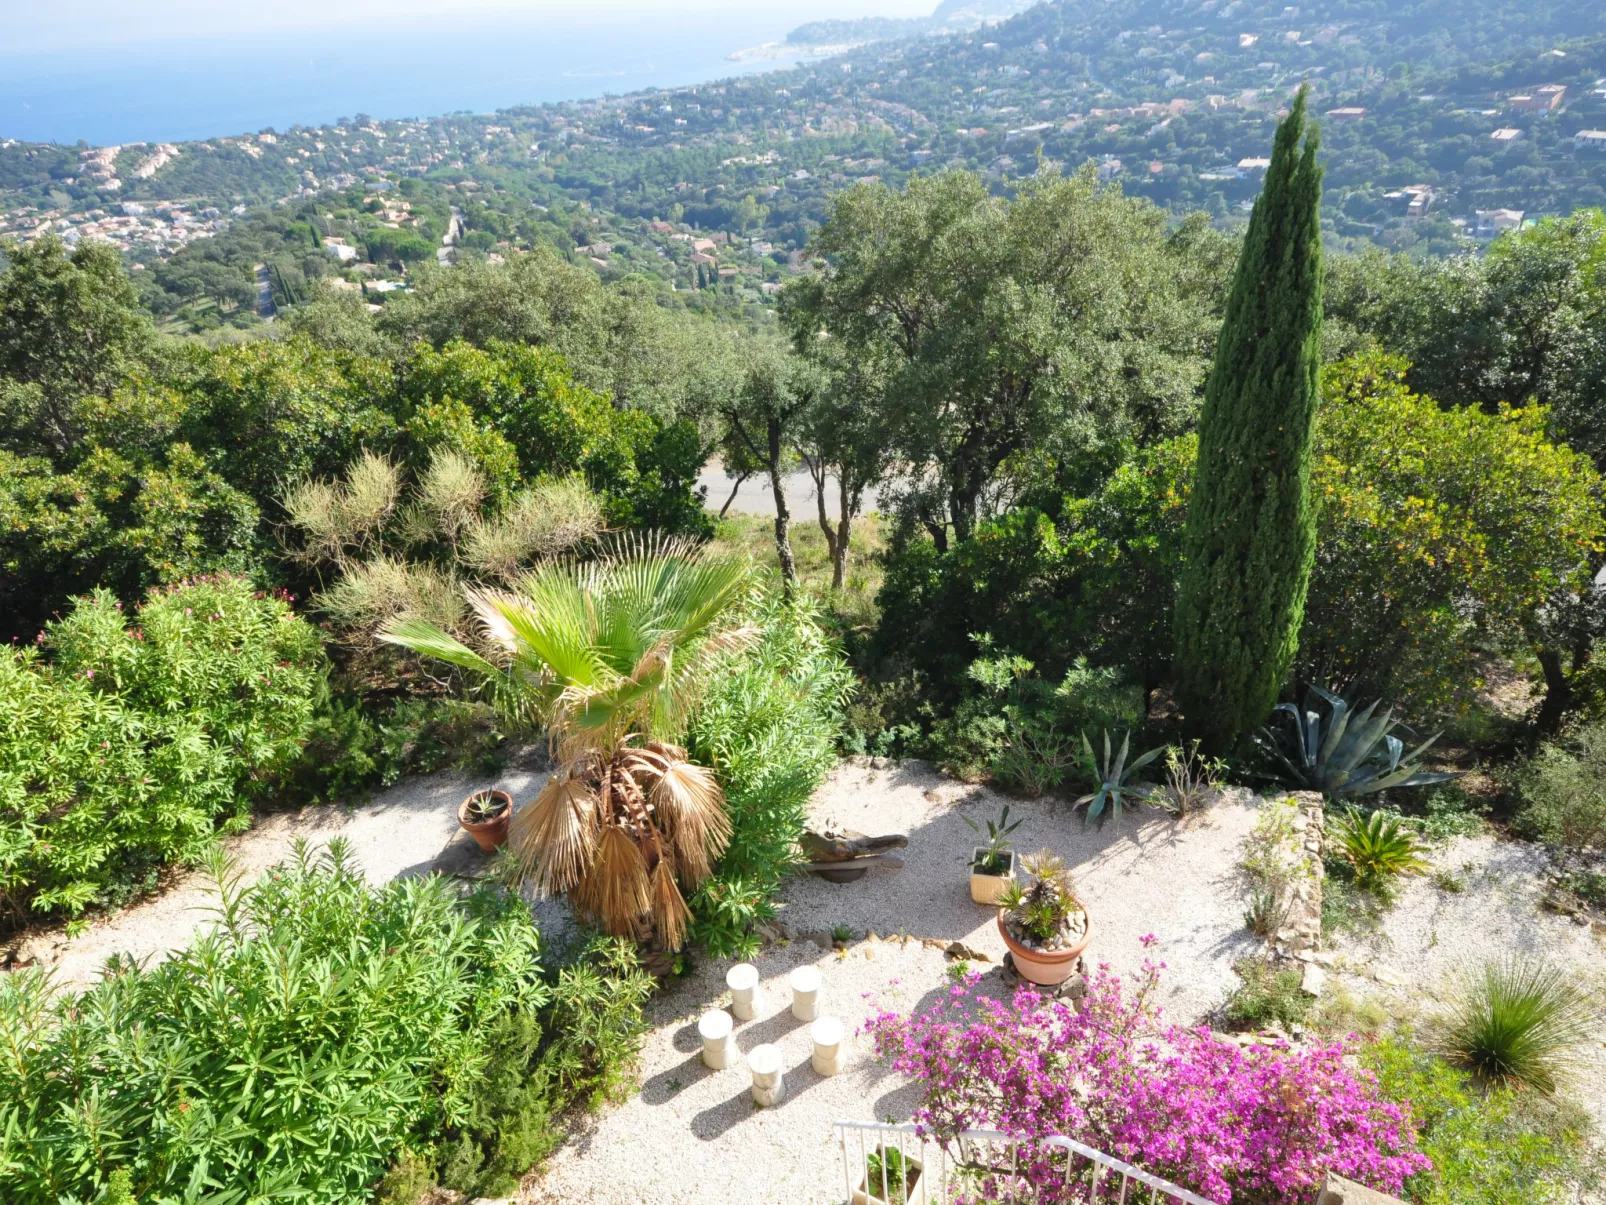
{"type": "Point", "coordinates": [320, 1030]}
{"type": "Point", "coordinates": [1487, 1146]}
{"type": "Point", "coordinates": [1262, 1124]}
{"type": "Point", "coordinates": [126, 739]}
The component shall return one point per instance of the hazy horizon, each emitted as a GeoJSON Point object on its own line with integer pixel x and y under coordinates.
{"type": "Point", "coordinates": [181, 73]}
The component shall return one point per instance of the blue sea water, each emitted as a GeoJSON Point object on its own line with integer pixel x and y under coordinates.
{"type": "Point", "coordinates": [171, 89]}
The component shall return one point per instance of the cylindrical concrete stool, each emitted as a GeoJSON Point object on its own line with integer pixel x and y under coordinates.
{"type": "Point", "coordinates": [742, 979]}
{"type": "Point", "coordinates": [765, 1063]}
{"type": "Point", "coordinates": [719, 1042]}
{"type": "Point", "coordinates": [830, 1052]}
{"type": "Point", "coordinates": [806, 993]}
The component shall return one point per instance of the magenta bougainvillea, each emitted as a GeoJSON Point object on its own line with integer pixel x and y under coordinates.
{"type": "Point", "coordinates": [1256, 1126]}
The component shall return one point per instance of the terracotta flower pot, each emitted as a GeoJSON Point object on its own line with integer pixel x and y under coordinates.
{"type": "Point", "coordinates": [1050, 968]}
{"type": "Point", "coordinates": [490, 834]}
{"type": "Point", "coordinates": [986, 888]}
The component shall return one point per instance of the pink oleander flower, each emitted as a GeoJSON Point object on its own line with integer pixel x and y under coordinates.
{"type": "Point", "coordinates": [1242, 1127]}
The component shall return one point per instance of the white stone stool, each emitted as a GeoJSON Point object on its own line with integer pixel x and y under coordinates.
{"type": "Point", "coordinates": [805, 983]}
{"type": "Point", "coordinates": [719, 1042]}
{"type": "Point", "coordinates": [830, 1055]}
{"type": "Point", "coordinates": [742, 979]}
{"type": "Point", "coordinates": [768, 1085]}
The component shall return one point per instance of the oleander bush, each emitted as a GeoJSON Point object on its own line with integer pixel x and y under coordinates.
{"type": "Point", "coordinates": [768, 724]}
{"type": "Point", "coordinates": [125, 740]}
{"type": "Point", "coordinates": [323, 1032]}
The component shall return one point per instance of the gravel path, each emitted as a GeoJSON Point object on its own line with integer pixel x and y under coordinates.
{"type": "Point", "coordinates": [692, 1134]}
{"type": "Point", "coordinates": [406, 830]}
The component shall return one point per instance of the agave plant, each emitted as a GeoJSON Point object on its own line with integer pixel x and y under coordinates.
{"type": "Point", "coordinates": [610, 655]}
{"type": "Point", "coordinates": [1346, 752]}
{"type": "Point", "coordinates": [1112, 774]}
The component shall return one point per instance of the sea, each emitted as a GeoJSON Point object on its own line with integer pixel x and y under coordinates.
{"type": "Point", "coordinates": [166, 89]}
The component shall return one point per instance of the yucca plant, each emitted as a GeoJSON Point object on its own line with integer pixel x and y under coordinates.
{"type": "Point", "coordinates": [610, 655]}
{"type": "Point", "coordinates": [1517, 1022]}
{"type": "Point", "coordinates": [1112, 775]}
{"type": "Point", "coordinates": [1346, 752]}
{"type": "Point", "coordinates": [1378, 846]}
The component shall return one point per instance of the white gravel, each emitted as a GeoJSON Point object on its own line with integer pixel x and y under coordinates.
{"type": "Point", "coordinates": [1432, 938]}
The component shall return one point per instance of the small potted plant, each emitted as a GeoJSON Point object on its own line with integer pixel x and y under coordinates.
{"type": "Point", "coordinates": [1042, 922]}
{"type": "Point", "coordinates": [890, 1178]}
{"type": "Point", "coordinates": [484, 816]}
{"type": "Point", "coordinates": [992, 866]}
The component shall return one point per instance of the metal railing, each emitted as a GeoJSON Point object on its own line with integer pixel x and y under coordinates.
{"type": "Point", "coordinates": [946, 1167]}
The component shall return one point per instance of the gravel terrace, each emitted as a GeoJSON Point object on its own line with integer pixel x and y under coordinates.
{"type": "Point", "coordinates": [691, 1134]}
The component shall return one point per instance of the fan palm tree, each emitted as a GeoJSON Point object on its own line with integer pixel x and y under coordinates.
{"type": "Point", "coordinates": [610, 655]}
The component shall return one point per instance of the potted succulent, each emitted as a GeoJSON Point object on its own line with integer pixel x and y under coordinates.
{"type": "Point", "coordinates": [992, 866]}
{"type": "Point", "coordinates": [890, 1178]}
{"type": "Point", "coordinates": [484, 816]}
{"type": "Point", "coordinates": [1042, 922]}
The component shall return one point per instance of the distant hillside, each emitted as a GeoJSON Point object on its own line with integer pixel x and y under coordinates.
{"type": "Point", "coordinates": [1431, 111]}
{"type": "Point", "coordinates": [951, 16]}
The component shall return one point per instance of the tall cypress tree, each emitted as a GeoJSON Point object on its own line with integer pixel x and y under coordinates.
{"type": "Point", "coordinates": [1251, 530]}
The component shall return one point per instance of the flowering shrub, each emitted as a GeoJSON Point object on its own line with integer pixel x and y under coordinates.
{"type": "Point", "coordinates": [1252, 1127]}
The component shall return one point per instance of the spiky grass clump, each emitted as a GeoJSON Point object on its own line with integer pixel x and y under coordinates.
{"type": "Point", "coordinates": [1517, 1023]}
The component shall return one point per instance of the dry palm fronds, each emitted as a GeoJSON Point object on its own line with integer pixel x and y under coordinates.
{"type": "Point", "coordinates": [690, 810]}
{"type": "Point", "coordinates": [670, 915]}
{"type": "Point", "coordinates": [556, 835]}
{"type": "Point", "coordinates": [616, 890]}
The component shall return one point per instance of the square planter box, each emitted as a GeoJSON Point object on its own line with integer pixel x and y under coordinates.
{"type": "Point", "coordinates": [914, 1186]}
{"type": "Point", "coordinates": [986, 888]}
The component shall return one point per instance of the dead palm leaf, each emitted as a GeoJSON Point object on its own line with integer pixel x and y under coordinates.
{"type": "Point", "coordinates": [691, 811]}
{"type": "Point", "coordinates": [670, 915]}
{"type": "Point", "coordinates": [616, 890]}
{"type": "Point", "coordinates": [555, 835]}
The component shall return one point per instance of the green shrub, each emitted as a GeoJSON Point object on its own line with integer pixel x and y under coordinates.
{"type": "Point", "coordinates": [1564, 790]}
{"type": "Point", "coordinates": [123, 743]}
{"type": "Point", "coordinates": [351, 749]}
{"type": "Point", "coordinates": [1487, 1147]}
{"type": "Point", "coordinates": [1518, 1023]}
{"type": "Point", "coordinates": [1265, 996]}
{"type": "Point", "coordinates": [289, 1051]}
{"type": "Point", "coordinates": [768, 725]}
{"type": "Point", "coordinates": [324, 1033]}
{"type": "Point", "coordinates": [1023, 731]}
